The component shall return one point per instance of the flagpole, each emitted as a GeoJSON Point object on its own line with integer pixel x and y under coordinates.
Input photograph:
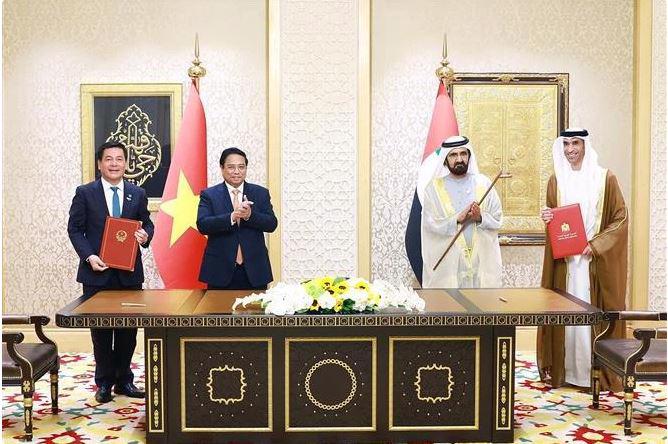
{"type": "Point", "coordinates": [196, 71]}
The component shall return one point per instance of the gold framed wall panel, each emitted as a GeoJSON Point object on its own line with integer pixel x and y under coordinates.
{"type": "Point", "coordinates": [136, 127]}
{"type": "Point", "coordinates": [476, 378]}
{"type": "Point", "coordinates": [372, 392]}
{"type": "Point", "coordinates": [641, 164]}
{"type": "Point", "coordinates": [512, 120]}
{"type": "Point", "coordinates": [182, 377]}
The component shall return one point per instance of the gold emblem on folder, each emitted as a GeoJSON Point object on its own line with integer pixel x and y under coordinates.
{"type": "Point", "coordinates": [121, 235]}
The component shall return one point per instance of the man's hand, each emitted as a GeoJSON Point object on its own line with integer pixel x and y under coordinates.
{"type": "Point", "coordinates": [474, 212]}
{"type": "Point", "coordinates": [245, 208]}
{"type": "Point", "coordinates": [464, 215]}
{"type": "Point", "coordinates": [547, 215]}
{"type": "Point", "coordinates": [141, 236]}
{"type": "Point", "coordinates": [587, 251]}
{"type": "Point", "coordinates": [96, 263]}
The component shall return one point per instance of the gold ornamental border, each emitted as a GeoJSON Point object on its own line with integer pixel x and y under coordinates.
{"type": "Point", "coordinates": [182, 379]}
{"type": "Point", "coordinates": [418, 383]}
{"type": "Point", "coordinates": [242, 384]}
{"type": "Point", "coordinates": [476, 408]}
{"type": "Point", "coordinates": [504, 364]}
{"type": "Point", "coordinates": [291, 340]}
{"type": "Point", "coordinates": [155, 408]}
{"type": "Point", "coordinates": [353, 380]}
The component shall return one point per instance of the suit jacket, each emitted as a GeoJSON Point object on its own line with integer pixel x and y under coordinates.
{"type": "Point", "coordinates": [85, 227]}
{"type": "Point", "coordinates": [214, 220]}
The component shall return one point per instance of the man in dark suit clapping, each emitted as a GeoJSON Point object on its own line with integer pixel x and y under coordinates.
{"type": "Point", "coordinates": [110, 195]}
{"type": "Point", "coordinates": [235, 215]}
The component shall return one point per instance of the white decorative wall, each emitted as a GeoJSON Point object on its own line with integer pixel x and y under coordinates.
{"type": "Point", "coordinates": [489, 36]}
{"type": "Point", "coordinates": [318, 69]}
{"type": "Point", "coordinates": [50, 47]}
{"type": "Point", "coordinates": [658, 186]}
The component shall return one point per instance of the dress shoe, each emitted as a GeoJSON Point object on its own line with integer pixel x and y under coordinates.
{"type": "Point", "coordinates": [103, 394]}
{"type": "Point", "coordinates": [128, 389]}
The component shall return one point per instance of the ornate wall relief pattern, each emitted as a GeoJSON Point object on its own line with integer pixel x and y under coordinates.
{"type": "Point", "coordinates": [319, 106]}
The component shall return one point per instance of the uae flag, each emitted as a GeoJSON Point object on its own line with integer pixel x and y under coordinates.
{"type": "Point", "coordinates": [177, 245]}
{"type": "Point", "coordinates": [443, 125]}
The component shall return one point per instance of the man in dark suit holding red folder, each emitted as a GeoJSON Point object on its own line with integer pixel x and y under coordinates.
{"type": "Point", "coordinates": [597, 275]}
{"type": "Point", "coordinates": [110, 195]}
{"type": "Point", "coordinates": [235, 215]}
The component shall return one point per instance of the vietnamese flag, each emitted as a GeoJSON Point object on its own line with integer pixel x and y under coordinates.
{"type": "Point", "coordinates": [177, 245]}
{"type": "Point", "coordinates": [443, 125]}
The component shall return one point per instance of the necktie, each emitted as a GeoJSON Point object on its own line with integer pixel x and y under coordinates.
{"type": "Point", "coordinates": [235, 203]}
{"type": "Point", "coordinates": [115, 203]}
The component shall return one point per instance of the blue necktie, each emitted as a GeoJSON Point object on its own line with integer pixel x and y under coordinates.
{"type": "Point", "coordinates": [115, 203]}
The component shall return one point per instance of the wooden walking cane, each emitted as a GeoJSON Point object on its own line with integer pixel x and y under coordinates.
{"type": "Point", "coordinates": [501, 175]}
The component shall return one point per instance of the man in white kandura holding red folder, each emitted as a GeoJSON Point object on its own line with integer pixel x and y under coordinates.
{"type": "Point", "coordinates": [597, 275]}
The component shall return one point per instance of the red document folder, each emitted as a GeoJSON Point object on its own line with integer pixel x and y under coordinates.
{"type": "Point", "coordinates": [567, 232]}
{"type": "Point", "coordinates": [119, 246]}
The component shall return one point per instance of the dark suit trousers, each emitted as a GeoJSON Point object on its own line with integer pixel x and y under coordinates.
{"type": "Point", "coordinates": [239, 281]}
{"type": "Point", "coordinates": [113, 347]}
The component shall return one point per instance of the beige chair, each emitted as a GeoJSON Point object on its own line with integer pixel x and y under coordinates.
{"type": "Point", "coordinates": [639, 359]}
{"type": "Point", "coordinates": [23, 364]}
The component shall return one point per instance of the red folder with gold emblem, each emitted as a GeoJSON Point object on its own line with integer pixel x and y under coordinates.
{"type": "Point", "coordinates": [119, 245]}
{"type": "Point", "coordinates": [566, 231]}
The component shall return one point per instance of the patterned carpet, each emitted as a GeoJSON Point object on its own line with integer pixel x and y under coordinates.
{"type": "Point", "coordinates": [541, 415]}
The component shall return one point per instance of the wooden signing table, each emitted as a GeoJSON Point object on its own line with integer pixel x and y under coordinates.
{"type": "Point", "coordinates": [445, 374]}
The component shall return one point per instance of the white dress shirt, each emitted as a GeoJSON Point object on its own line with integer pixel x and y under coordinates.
{"type": "Point", "coordinates": [109, 194]}
{"type": "Point", "coordinates": [230, 189]}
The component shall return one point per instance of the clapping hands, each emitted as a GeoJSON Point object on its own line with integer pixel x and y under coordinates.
{"type": "Point", "coordinates": [243, 211]}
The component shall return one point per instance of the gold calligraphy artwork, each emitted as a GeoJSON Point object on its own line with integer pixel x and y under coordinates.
{"type": "Point", "coordinates": [512, 121]}
{"type": "Point", "coordinates": [143, 148]}
{"type": "Point", "coordinates": [118, 111]}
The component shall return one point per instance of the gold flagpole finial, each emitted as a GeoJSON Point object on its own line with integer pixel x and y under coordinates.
{"type": "Point", "coordinates": [445, 73]}
{"type": "Point", "coordinates": [445, 45]}
{"type": "Point", "coordinates": [196, 71]}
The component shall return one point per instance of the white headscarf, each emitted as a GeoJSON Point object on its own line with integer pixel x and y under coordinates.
{"type": "Point", "coordinates": [434, 165]}
{"type": "Point", "coordinates": [580, 186]}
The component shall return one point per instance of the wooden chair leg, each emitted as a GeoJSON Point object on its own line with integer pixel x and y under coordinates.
{"type": "Point", "coordinates": [54, 390]}
{"type": "Point", "coordinates": [595, 385]}
{"type": "Point", "coordinates": [27, 389]}
{"type": "Point", "coordinates": [629, 387]}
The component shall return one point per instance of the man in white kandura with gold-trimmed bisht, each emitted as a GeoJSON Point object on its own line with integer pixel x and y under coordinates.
{"type": "Point", "coordinates": [597, 275]}
{"type": "Point", "coordinates": [451, 185]}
